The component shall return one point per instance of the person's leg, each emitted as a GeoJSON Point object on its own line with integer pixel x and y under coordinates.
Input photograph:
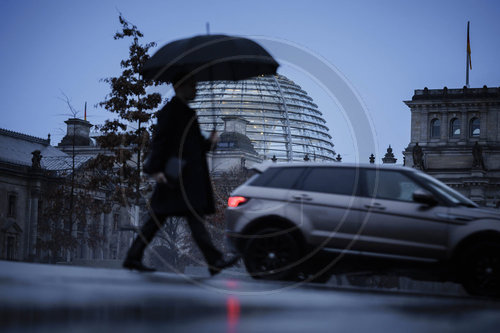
{"type": "Point", "coordinates": [203, 240]}
{"type": "Point", "coordinates": [145, 236]}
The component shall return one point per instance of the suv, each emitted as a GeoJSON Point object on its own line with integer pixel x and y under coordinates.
{"type": "Point", "coordinates": [315, 219]}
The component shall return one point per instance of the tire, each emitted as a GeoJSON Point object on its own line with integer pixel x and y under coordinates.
{"type": "Point", "coordinates": [479, 269]}
{"type": "Point", "coordinates": [271, 254]}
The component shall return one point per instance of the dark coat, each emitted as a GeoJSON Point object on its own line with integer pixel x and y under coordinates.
{"type": "Point", "coordinates": [178, 134]}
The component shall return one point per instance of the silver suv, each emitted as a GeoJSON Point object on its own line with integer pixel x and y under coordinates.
{"type": "Point", "coordinates": [312, 220]}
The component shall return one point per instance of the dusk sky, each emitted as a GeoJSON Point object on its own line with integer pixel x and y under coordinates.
{"type": "Point", "coordinates": [383, 49]}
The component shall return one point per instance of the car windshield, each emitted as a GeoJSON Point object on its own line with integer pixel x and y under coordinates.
{"type": "Point", "coordinates": [446, 191]}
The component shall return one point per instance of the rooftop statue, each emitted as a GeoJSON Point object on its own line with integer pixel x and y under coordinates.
{"type": "Point", "coordinates": [418, 156]}
{"type": "Point", "coordinates": [477, 154]}
{"type": "Point", "coordinates": [35, 161]}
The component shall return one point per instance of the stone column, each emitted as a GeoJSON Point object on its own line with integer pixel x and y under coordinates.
{"type": "Point", "coordinates": [107, 234]}
{"type": "Point", "coordinates": [495, 110]}
{"type": "Point", "coordinates": [484, 134]}
{"type": "Point", "coordinates": [445, 127]}
{"type": "Point", "coordinates": [33, 222]}
{"type": "Point", "coordinates": [464, 127]}
{"type": "Point", "coordinates": [424, 124]}
{"type": "Point", "coordinates": [100, 250]}
{"type": "Point", "coordinates": [26, 235]}
{"type": "Point", "coordinates": [415, 125]}
{"type": "Point", "coordinates": [84, 247]}
{"type": "Point", "coordinates": [72, 254]}
{"type": "Point", "coordinates": [118, 235]}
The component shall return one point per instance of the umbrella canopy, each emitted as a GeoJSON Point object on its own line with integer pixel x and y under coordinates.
{"type": "Point", "coordinates": [210, 58]}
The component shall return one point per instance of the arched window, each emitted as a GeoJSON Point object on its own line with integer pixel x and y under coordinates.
{"type": "Point", "coordinates": [474, 128]}
{"type": "Point", "coordinates": [455, 128]}
{"type": "Point", "coordinates": [435, 128]}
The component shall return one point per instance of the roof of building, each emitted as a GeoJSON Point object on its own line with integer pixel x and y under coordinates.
{"type": "Point", "coordinates": [59, 163]}
{"type": "Point", "coordinates": [454, 94]}
{"type": "Point", "coordinates": [16, 148]}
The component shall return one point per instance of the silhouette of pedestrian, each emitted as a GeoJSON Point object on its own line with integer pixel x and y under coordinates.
{"type": "Point", "coordinates": [178, 137]}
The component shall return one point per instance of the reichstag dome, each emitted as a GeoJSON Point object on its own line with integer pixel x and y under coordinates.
{"type": "Point", "coordinates": [282, 119]}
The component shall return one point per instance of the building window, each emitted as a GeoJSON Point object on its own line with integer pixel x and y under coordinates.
{"type": "Point", "coordinates": [474, 128]}
{"type": "Point", "coordinates": [435, 128]}
{"type": "Point", "coordinates": [12, 208]}
{"type": "Point", "coordinates": [455, 128]}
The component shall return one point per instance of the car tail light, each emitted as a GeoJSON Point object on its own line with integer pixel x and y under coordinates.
{"type": "Point", "coordinates": [236, 201]}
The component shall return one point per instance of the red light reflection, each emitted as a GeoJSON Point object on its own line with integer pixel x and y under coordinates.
{"type": "Point", "coordinates": [233, 313]}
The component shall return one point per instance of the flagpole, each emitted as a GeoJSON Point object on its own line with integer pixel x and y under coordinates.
{"type": "Point", "coordinates": [468, 57]}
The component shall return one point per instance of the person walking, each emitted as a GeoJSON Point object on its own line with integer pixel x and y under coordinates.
{"type": "Point", "coordinates": [177, 136]}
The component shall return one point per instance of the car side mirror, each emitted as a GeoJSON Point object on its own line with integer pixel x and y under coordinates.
{"type": "Point", "coordinates": [424, 197]}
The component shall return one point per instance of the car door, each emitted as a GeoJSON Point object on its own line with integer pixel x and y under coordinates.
{"type": "Point", "coordinates": [324, 203]}
{"type": "Point", "coordinates": [393, 224]}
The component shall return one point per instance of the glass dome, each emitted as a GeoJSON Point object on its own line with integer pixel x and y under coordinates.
{"type": "Point", "coordinates": [283, 120]}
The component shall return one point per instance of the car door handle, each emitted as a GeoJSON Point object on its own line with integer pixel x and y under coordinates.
{"type": "Point", "coordinates": [375, 206]}
{"type": "Point", "coordinates": [455, 218]}
{"type": "Point", "coordinates": [302, 197]}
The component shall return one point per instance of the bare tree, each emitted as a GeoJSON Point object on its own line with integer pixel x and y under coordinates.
{"type": "Point", "coordinates": [72, 203]}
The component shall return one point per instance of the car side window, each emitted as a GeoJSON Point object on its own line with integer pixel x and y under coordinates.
{"type": "Point", "coordinates": [390, 185]}
{"type": "Point", "coordinates": [278, 177]}
{"type": "Point", "coordinates": [331, 180]}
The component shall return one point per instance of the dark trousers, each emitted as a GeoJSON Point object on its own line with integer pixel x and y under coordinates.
{"type": "Point", "coordinates": [198, 231]}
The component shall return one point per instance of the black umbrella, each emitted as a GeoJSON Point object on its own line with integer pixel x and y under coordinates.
{"type": "Point", "coordinates": [210, 58]}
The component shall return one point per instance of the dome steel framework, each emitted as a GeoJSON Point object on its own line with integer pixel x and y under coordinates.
{"type": "Point", "coordinates": [282, 119]}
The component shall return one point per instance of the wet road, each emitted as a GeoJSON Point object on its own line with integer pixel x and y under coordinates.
{"type": "Point", "coordinates": [48, 298]}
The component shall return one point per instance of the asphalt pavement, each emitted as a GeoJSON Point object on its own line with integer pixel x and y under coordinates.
{"type": "Point", "coordinates": [56, 298]}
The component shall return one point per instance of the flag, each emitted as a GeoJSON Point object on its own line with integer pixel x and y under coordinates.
{"type": "Point", "coordinates": [469, 60]}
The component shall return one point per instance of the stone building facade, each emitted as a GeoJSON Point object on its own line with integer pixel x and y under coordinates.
{"type": "Point", "coordinates": [21, 181]}
{"type": "Point", "coordinates": [28, 166]}
{"type": "Point", "coordinates": [455, 137]}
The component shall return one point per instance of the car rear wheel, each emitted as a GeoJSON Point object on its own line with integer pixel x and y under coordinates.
{"type": "Point", "coordinates": [480, 269]}
{"type": "Point", "coordinates": [271, 253]}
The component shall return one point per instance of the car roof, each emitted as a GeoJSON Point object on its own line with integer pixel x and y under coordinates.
{"type": "Point", "coordinates": [261, 167]}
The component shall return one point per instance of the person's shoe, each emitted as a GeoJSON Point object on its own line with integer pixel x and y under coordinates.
{"type": "Point", "coordinates": [221, 264]}
{"type": "Point", "coordinates": [137, 265]}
